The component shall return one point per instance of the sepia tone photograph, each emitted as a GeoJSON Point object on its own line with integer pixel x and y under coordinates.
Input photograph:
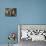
{"type": "Point", "coordinates": [10, 11]}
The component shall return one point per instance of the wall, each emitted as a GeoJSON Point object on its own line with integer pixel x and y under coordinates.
{"type": "Point", "coordinates": [28, 12]}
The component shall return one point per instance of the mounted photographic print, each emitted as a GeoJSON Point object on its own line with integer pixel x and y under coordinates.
{"type": "Point", "coordinates": [10, 11]}
{"type": "Point", "coordinates": [32, 32]}
{"type": "Point", "coordinates": [28, 34]}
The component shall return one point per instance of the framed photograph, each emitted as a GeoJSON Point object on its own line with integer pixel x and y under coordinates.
{"type": "Point", "coordinates": [30, 33]}
{"type": "Point", "coordinates": [10, 11]}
